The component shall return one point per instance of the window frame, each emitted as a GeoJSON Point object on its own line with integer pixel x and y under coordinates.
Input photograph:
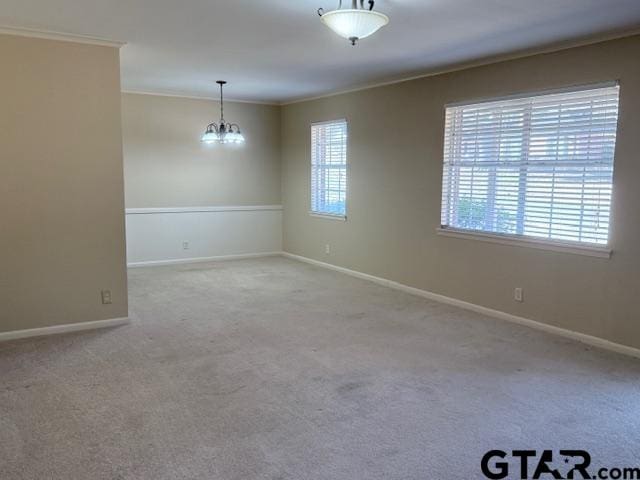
{"type": "Point", "coordinates": [522, 240]}
{"type": "Point", "coordinates": [326, 215]}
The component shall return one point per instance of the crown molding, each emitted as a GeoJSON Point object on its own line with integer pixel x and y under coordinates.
{"type": "Point", "coordinates": [60, 36]}
{"type": "Point", "coordinates": [91, 40]}
{"type": "Point", "coordinates": [197, 97]}
{"type": "Point", "coordinates": [556, 47]}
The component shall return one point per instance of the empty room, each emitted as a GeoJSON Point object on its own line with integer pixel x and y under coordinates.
{"type": "Point", "coordinates": [319, 239]}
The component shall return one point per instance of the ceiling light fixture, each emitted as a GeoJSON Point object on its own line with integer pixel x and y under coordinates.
{"type": "Point", "coordinates": [356, 22]}
{"type": "Point", "coordinates": [223, 132]}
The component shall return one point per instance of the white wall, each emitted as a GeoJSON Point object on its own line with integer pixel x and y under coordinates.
{"type": "Point", "coordinates": [156, 236]}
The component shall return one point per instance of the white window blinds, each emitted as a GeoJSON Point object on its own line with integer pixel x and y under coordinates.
{"type": "Point", "coordinates": [329, 168]}
{"type": "Point", "coordinates": [539, 167]}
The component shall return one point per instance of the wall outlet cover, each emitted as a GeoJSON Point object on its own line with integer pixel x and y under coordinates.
{"type": "Point", "coordinates": [106, 297]}
{"type": "Point", "coordinates": [518, 295]}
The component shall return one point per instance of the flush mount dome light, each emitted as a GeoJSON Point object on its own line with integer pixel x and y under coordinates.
{"type": "Point", "coordinates": [354, 23]}
{"type": "Point", "coordinates": [222, 132]}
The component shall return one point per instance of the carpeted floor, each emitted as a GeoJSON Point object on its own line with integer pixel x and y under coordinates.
{"type": "Point", "coordinates": [273, 369]}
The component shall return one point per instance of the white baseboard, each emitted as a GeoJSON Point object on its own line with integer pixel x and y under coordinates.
{"type": "Point", "coordinates": [181, 261]}
{"type": "Point", "coordinates": [580, 337]}
{"type": "Point", "coordinates": [57, 329]}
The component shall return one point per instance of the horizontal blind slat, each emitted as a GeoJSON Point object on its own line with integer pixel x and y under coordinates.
{"type": "Point", "coordinates": [328, 167]}
{"type": "Point", "coordinates": [542, 164]}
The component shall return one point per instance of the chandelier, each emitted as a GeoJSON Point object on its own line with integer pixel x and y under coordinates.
{"type": "Point", "coordinates": [356, 22]}
{"type": "Point", "coordinates": [222, 132]}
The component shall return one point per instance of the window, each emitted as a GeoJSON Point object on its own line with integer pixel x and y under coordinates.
{"type": "Point", "coordinates": [538, 167]}
{"type": "Point", "coordinates": [329, 168]}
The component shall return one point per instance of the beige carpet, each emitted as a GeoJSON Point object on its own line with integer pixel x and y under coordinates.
{"type": "Point", "coordinates": [273, 369]}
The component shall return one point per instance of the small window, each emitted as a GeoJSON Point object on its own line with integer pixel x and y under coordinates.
{"type": "Point", "coordinates": [329, 168]}
{"type": "Point", "coordinates": [539, 167]}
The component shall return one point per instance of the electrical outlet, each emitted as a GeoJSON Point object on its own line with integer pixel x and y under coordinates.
{"type": "Point", "coordinates": [185, 245]}
{"type": "Point", "coordinates": [518, 295]}
{"type": "Point", "coordinates": [327, 249]}
{"type": "Point", "coordinates": [106, 297]}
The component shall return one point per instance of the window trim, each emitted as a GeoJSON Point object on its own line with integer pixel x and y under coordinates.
{"type": "Point", "coordinates": [328, 216]}
{"type": "Point", "coordinates": [324, 215]}
{"type": "Point", "coordinates": [536, 93]}
{"type": "Point", "coordinates": [519, 240]}
{"type": "Point", "coordinates": [576, 248]}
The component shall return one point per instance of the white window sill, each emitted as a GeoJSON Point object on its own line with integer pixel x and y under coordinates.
{"type": "Point", "coordinates": [328, 216]}
{"type": "Point", "coordinates": [555, 246]}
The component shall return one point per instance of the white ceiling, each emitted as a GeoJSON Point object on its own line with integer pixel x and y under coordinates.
{"type": "Point", "coordinates": [278, 50]}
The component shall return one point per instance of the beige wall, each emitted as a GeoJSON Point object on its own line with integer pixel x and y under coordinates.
{"type": "Point", "coordinates": [61, 194]}
{"type": "Point", "coordinates": [166, 165]}
{"type": "Point", "coordinates": [395, 156]}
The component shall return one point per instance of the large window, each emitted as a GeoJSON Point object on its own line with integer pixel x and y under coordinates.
{"type": "Point", "coordinates": [329, 168]}
{"type": "Point", "coordinates": [539, 167]}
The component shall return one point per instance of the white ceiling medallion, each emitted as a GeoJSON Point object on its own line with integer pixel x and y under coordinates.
{"type": "Point", "coordinates": [354, 23]}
